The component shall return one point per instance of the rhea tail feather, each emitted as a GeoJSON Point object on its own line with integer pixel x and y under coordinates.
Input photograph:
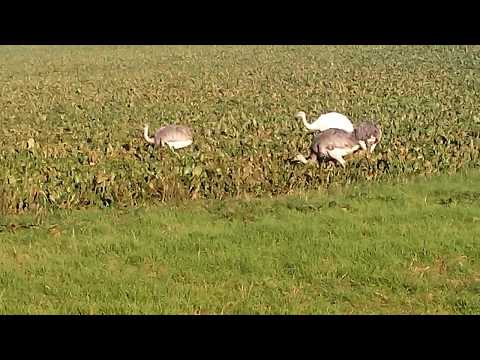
{"type": "Point", "coordinates": [145, 135]}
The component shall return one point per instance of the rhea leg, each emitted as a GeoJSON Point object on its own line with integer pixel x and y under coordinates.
{"type": "Point", "coordinates": [363, 145]}
{"type": "Point", "coordinates": [303, 160]}
{"type": "Point", "coordinates": [335, 155]}
{"type": "Point", "coordinates": [300, 158]}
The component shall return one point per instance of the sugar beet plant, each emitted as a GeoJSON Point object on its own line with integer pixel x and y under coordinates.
{"type": "Point", "coordinates": [72, 118]}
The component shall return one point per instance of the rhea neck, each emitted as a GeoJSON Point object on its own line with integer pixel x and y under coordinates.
{"type": "Point", "coordinates": [145, 135]}
{"type": "Point", "coordinates": [304, 120]}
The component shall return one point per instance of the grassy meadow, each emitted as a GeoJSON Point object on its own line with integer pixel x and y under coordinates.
{"type": "Point", "coordinates": [366, 249]}
{"type": "Point", "coordinates": [94, 220]}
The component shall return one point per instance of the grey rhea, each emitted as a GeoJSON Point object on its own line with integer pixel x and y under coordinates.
{"type": "Point", "coordinates": [332, 144]}
{"type": "Point", "coordinates": [175, 136]}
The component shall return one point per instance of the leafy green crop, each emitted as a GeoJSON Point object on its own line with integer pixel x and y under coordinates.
{"type": "Point", "coordinates": [72, 118]}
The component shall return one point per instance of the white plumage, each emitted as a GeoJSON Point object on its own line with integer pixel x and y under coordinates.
{"type": "Point", "coordinates": [331, 120]}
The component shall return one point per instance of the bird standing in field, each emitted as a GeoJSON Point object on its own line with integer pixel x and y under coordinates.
{"type": "Point", "coordinates": [369, 133]}
{"type": "Point", "coordinates": [331, 120]}
{"type": "Point", "coordinates": [175, 136]}
{"type": "Point", "coordinates": [331, 144]}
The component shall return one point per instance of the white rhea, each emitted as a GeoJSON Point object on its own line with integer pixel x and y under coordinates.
{"type": "Point", "coordinates": [175, 136]}
{"type": "Point", "coordinates": [331, 120]}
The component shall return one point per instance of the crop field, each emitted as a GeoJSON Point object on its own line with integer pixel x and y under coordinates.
{"type": "Point", "coordinates": [94, 220]}
{"type": "Point", "coordinates": [72, 119]}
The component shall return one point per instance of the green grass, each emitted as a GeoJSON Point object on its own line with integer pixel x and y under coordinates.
{"type": "Point", "coordinates": [405, 247]}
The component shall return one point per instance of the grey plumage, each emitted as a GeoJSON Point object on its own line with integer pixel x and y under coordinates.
{"type": "Point", "coordinates": [331, 144]}
{"type": "Point", "coordinates": [369, 134]}
{"type": "Point", "coordinates": [331, 139]}
{"type": "Point", "coordinates": [176, 136]}
{"type": "Point", "coordinates": [336, 143]}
